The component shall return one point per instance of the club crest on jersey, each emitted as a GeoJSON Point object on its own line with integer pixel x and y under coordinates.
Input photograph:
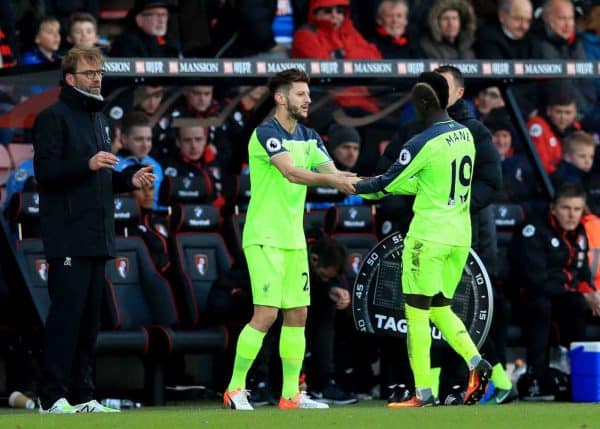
{"type": "Point", "coordinates": [201, 263]}
{"type": "Point", "coordinates": [404, 157]}
{"type": "Point", "coordinates": [528, 231]}
{"type": "Point", "coordinates": [41, 266]}
{"type": "Point", "coordinates": [273, 144]}
{"type": "Point", "coordinates": [122, 266]}
{"type": "Point", "coordinates": [355, 260]}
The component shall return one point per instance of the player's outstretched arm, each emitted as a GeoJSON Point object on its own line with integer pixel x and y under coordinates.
{"type": "Point", "coordinates": [284, 163]}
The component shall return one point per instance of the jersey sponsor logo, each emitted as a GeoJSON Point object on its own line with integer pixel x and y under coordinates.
{"type": "Point", "coordinates": [122, 266]}
{"type": "Point", "coordinates": [528, 231]}
{"type": "Point", "coordinates": [201, 263]}
{"type": "Point", "coordinates": [554, 242]}
{"type": "Point", "coordinates": [273, 144]}
{"type": "Point", "coordinates": [41, 267]}
{"type": "Point", "coordinates": [378, 302]}
{"type": "Point", "coordinates": [535, 130]}
{"type": "Point", "coordinates": [404, 157]}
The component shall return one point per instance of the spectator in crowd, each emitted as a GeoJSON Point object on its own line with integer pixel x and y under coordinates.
{"type": "Point", "coordinates": [451, 31]}
{"type": "Point", "coordinates": [590, 37]}
{"type": "Point", "coordinates": [487, 99]}
{"type": "Point", "coordinates": [199, 102]}
{"type": "Point", "coordinates": [391, 38]}
{"type": "Point", "coordinates": [146, 32]}
{"type": "Point", "coordinates": [27, 14]}
{"type": "Point", "coordinates": [148, 100]}
{"type": "Point", "coordinates": [343, 145]}
{"type": "Point", "coordinates": [330, 34]}
{"type": "Point", "coordinates": [63, 10]}
{"type": "Point", "coordinates": [195, 159]}
{"type": "Point", "coordinates": [83, 30]}
{"type": "Point", "coordinates": [549, 129]}
{"type": "Point", "coordinates": [74, 170]}
{"type": "Point", "coordinates": [557, 39]}
{"type": "Point", "coordinates": [328, 295]}
{"type": "Point", "coordinates": [518, 179]}
{"type": "Point", "coordinates": [153, 227]}
{"type": "Point", "coordinates": [579, 166]}
{"type": "Point", "coordinates": [549, 259]}
{"type": "Point", "coordinates": [47, 42]}
{"type": "Point", "coordinates": [507, 38]}
{"type": "Point", "coordinates": [136, 138]}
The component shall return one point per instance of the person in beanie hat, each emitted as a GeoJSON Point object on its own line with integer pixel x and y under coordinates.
{"type": "Point", "coordinates": [343, 146]}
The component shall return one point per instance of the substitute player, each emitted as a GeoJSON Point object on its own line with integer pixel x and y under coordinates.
{"type": "Point", "coordinates": [282, 153]}
{"type": "Point", "coordinates": [436, 166]}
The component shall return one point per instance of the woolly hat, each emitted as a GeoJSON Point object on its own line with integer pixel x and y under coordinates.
{"type": "Point", "coordinates": [339, 134]}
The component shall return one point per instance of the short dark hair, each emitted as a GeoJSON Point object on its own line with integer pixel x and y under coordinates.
{"type": "Point", "coordinates": [82, 17]}
{"type": "Point", "coordinates": [430, 92]}
{"type": "Point", "coordinates": [561, 94]}
{"type": "Point", "coordinates": [569, 190]}
{"type": "Point", "coordinates": [285, 79]}
{"type": "Point", "coordinates": [330, 253]}
{"type": "Point", "coordinates": [457, 75]}
{"type": "Point", "coordinates": [134, 119]}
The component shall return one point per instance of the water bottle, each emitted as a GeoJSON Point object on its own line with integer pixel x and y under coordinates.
{"type": "Point", "coordinates": [120, 404]}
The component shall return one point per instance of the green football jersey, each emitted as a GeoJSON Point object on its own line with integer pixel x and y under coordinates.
{"type": "Point", "coordinates": [437, 167]}
{"type": "Point", "coordinates": [275, 214]}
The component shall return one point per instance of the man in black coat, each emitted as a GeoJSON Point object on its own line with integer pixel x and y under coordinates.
{"type": "Point", "coordinates": [549, 258]}
{"type": "Point", "coordinates": [146, 32]}
{"type": "Point", "coordinates": [507, 38]}
{"type": "Point", "coordinates": [74, 170]}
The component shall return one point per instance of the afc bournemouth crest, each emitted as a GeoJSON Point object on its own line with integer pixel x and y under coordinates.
{"type": "Point", "coordinates": [378, 302]}
{"type": "Point", "coordinates": [355, 261]}
{"type": "Point", "coordinates": [41, 267]}
{"type": "Point", "coordinates": [122, 266]}
{"type": "Point", "coordinates": [201, 263]}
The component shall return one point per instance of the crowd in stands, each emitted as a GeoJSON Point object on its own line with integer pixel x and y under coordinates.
{"type": "Point", "coordinates": [200, 133]}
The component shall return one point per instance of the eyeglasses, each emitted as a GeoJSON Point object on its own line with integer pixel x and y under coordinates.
{"type": "Point", "coordinates": [329, 10]}
{"type": "Point", "coordinates": [90, 74]}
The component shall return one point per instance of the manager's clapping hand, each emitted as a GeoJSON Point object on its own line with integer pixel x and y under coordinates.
{"type": "Point", "coordinates": [143, 177]}
{"type": "Point", "coordinates": [102, 160]}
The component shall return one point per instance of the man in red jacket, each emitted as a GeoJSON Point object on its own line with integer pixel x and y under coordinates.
{"type": "Point", "coordinates": [330, 34]}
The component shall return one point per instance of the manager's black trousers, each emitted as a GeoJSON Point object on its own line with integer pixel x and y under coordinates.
{"type": "Point", "coordinates": [75, 288]}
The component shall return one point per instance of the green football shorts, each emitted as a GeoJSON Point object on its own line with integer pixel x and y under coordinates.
{"type": "Point", "coordinates": [429, 268]}
{"type": "Point", "coordinates": [279, 277]}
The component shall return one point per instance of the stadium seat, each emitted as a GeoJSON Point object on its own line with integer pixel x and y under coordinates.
{"type": "Point", "coordinates": [23, 213]}
{"type": "Point", "coordinates": [19, 152]}
{"type": "Point", "coordinates": [354, 227]}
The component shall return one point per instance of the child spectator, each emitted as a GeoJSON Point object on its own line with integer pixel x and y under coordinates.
{"type": "Point", "coordinates": [136, 137]}
{"type": "Point", "coordinates": [47, 42]}
{"type": "Point", "coordinates": [577, 160]}
{"type": "Point", "coordinates": [549, 129]}
{"type": "Point", "coordinates": [83, 30]}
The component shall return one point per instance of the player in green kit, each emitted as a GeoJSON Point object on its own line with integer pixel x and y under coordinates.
{"type": "Point", "coordinates": [282, 154]}
{"type": "Point", "coordinates": [436, 166]}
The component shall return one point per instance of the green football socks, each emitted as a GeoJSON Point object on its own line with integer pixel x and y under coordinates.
{"type": "Point", "coordinates": [500, 379]}
{"type": "Point", "coordinates": [248, 346]}
{"type": "Point", "coordinates": [419, 344]}
{"type": "Point", "coordinates": [455, 333]}
{"type": "Point", "coordinates": [292, 345]}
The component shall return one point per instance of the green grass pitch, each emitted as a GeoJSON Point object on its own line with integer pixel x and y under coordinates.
{"type": "Point", "coordinates": [369, 415]}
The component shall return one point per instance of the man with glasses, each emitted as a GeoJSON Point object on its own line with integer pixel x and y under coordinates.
{"type": "Point", "coordinates": [330, 34]}
{"type": "Point", "coordinates": [74, 170]}
{"type": "Point", "coordinates": [505, 38]}
{"type": "Point", "coordinates": [146, 36]}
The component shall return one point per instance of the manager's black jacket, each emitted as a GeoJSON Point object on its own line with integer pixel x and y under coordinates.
{"type": "Point", "coordinates": [76, 203]}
